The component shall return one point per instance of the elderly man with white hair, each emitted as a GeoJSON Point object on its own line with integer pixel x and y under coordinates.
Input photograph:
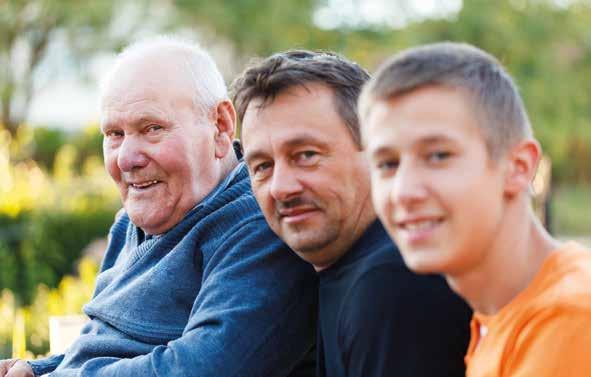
{"type": "Point", "coordinates": [193, 283]}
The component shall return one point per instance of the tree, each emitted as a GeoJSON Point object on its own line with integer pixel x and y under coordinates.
{"type": "Point", "coordinates": [27, 28]}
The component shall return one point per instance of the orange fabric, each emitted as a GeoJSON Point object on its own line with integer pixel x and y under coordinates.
{"type": "Point", "coordinates": [545, 330]}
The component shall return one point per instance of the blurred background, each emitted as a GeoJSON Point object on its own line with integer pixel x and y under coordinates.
{"type": "Point", "coordinates": [56, 201]}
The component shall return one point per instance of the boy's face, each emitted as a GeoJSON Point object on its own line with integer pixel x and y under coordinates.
{"type": "Point", "coordinates": [434, 186]}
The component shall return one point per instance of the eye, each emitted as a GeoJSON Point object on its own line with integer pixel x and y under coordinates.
{"type": "Point", "coordinates": [438, 156]}
{"type": "Point", "coordinates": [306, 158]}
{"type": "Point", "coordinates": [152, 128]}
{"type": "Point", "coordinates": [113, 134]}
{"type": "Point", "coordinates": [262, 170]}
{"type": "Point", "coordinates": [387, 166]}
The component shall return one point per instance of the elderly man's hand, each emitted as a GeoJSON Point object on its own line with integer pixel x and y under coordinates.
{"type": "Point", "coordinates": [15, 368]}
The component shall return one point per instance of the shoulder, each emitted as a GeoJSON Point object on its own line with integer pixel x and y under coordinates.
{"type": "Point", "coordinates": [563, 284]}
{"type": "Point", "coordinates": [404, 318]}
{"type": "Point", "coordinates": [552, 322]}
{"type": "Point", "coordinates": [238, 236]}
{"type": "Point", "coordinates": [554, 342]}
{"type": "Point", "coordinates": [230, 210]}
{"type": "Point", "coordinates": [384, 274]}
{"type": "Point", "coordinates": [382, 288]}
{"type": "Point", "coordinates": [393, 287]}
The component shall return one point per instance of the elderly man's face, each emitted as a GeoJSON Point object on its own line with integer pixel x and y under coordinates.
{"type": "Point", "coordinates": [158, 148]}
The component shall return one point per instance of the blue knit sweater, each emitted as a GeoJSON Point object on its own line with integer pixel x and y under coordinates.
{"type": "Point", "coordinates": [217, 295]}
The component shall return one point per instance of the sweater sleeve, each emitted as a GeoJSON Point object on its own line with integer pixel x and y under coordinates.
{"type": "Point", "coordinates": [254, 315]}
{"type": "Point", "coordinates": [397, 323]}
{"type": "Point", "coordinates": [46, 365]}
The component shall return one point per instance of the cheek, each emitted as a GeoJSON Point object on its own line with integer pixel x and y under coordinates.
{"type": "Point", "coordinates": [110, 160]}
{"type": "Point", "coordinates": [379, 191]}
{"type": "Point", "coordinates": [475, 200]}
{"type": "Point", "coordinates": [177, 160]}
{"type": "Point", "coordinates": [198, 160]}
{"type": "Point", "coordinates": [263, 197]}
{"type": "Point", "coordinates": [380, 195]}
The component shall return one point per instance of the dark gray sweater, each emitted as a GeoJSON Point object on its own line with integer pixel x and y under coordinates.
{"type": "Point", "coordinates": [377, 318]}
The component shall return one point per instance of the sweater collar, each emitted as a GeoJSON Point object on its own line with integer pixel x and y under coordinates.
{"type": "Point", "coordinates": [237, 173]}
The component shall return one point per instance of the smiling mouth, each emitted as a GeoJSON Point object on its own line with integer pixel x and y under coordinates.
{"type": "Point", "coordinates": [418, 230]}
{"type": "Point", "coordinates": [419, 225]}
{"type": "Point", "coordinates": [143, 185]}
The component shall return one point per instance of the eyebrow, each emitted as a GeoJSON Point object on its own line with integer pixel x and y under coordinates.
{"type": "Point", "coordinates": [145, 117]}
{"type": "Point", "coordinates": [384, 148]}
{"type": "Point", "coordinates": [296, 141]}
{"type": "Point", "coordinates": [434, 139]}
{"type": "Point", "coordinates": [300, 140]}
{"type": "Point", "coordinates": [256, 155]}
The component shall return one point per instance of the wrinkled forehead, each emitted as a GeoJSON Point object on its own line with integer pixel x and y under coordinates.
{"type": "Point", "coordinates": [138, 74]}
{"type": "Point", "coordinates": [140, 86]}
{"type": "Point", "coordinates": [157, 99]}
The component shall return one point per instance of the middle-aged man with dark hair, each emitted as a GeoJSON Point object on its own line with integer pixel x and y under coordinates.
{"type": "Point", "coordinates": [193, 283]}
{"type": "Point", "coordinates": [308, 173]}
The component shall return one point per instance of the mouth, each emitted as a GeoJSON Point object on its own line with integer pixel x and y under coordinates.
{"type": "Point", "coordinates": [143, 185]}
{"type": "Point", "coordinates": [297, 214]}
{"type": "Point", "coordinates": [418, 229]}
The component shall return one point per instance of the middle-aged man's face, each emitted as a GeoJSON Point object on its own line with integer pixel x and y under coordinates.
{"type": "Point", "coordinates": [434, 186]}
{"type": "Point", "coordinates": [307, 174]}
{"type": "Point", "coordinates": [158, 148]}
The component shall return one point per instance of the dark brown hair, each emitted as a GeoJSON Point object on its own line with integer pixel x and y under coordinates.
{"type": "Point", "coordinates": [267, 78]}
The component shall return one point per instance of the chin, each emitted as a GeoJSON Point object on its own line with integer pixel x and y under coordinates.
{"type": "Point", "coordinates": [136, 219]}
{"type": "Point", "coordinates": [302, 248]}
{"type": "Point", "coordinates": [143, 220]}
{"type": "Point", "coordinates": [420, 264]}
{"type": "Point", "coordinates": [422, 269]}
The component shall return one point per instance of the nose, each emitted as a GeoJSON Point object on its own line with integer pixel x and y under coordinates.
{"type": "Point", "coordinates": [284, 183]}
{"type": "Point", "coordinates": [131, 155]}
{"type": "Point", "coordinates": [408, 186]}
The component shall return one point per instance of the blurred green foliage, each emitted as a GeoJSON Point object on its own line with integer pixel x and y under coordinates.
{"type": "Point", "coordinates": [571, 206]}
{"type": "Point", "coordinates": [46, 143]}
{"type": "Point", "coordinates": [67, 298]}
{"type": "Point", "coordinates": [29, 26]}
{"type": "Point", "coordinates": [51, 209]}
{"type": "Point", "coordinates": [55, 197]}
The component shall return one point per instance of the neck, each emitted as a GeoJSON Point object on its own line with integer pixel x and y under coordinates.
{"type": "Point", "coordinates": [510, 264]}
{"type": "Point", "coordinates": [227, 164]}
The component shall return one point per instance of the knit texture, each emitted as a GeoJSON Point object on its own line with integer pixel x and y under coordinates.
{"type": "Point", "coordinates": [217, 295]}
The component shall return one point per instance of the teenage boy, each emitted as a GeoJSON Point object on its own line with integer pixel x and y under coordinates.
{"type": "Point", "coordinates": [452, 156]}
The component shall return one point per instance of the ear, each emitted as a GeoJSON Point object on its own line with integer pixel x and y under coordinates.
{"type": "Point", "coordinates": [225, 122]}
{"type": "Point", "coordinates": [522, 163]}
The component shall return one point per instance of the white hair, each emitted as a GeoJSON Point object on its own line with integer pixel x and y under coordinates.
{"type": "Point", "coordinates": [209, 84]}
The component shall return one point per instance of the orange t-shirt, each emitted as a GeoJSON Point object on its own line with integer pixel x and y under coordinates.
{"type": "Point", "coordinates": [545, 330]}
